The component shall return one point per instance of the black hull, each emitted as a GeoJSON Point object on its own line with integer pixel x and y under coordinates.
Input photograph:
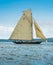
{"type": "Point", "coordinates": [27, 42]}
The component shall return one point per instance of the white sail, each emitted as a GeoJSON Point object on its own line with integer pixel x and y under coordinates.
{"type": "Point", "coordinates": [23, 30]}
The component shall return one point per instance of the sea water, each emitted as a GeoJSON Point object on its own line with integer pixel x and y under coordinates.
{"type": "Point", "coordinates": [26, 54]}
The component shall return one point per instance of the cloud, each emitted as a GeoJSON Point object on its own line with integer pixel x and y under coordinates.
{"type": "Point", "coordinates": [6, 29]}
{"type": "Point", "coordinates": [5, 32]}
{"type": "Point", "coordinates": [47, 28]}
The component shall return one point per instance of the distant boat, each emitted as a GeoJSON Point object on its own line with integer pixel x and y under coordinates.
{"type": "Point", "coordinates": [23, 32]}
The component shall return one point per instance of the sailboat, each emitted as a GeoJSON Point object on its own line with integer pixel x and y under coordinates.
{"type": "Point", "coordinates": [23, 32]}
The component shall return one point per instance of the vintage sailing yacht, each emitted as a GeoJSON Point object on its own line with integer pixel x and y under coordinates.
{"type": "Point", "coordinates": [23, 32]}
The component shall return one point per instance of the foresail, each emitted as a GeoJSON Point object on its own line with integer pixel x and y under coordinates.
{"type": "Point", "coordinates": [23, 30]}
{"type": "Point", "coordinates": [38, 31]}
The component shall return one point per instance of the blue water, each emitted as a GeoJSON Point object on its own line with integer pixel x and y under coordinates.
{"type": "Point", "coordinates": [26, 54]}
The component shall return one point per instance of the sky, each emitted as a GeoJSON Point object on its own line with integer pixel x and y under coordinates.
{"type": "Point", "coordinates": [12, 10]}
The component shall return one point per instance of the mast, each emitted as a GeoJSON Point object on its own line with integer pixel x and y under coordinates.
{"type": "Point", "coordinates": [32, 25]}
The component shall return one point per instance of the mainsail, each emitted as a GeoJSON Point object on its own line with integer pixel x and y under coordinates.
{"type": "Point", "coordinates": [23, 30]}
{"type": "Point", "coordinates": [38, 31]}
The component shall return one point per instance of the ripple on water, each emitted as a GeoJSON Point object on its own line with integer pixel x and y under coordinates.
{"type": "Point", "coordinates": [11, 54]}
{"type": "Point", "coordinates": [10, 58]}
{"type": "Point", "coordinates": [27, 54]}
